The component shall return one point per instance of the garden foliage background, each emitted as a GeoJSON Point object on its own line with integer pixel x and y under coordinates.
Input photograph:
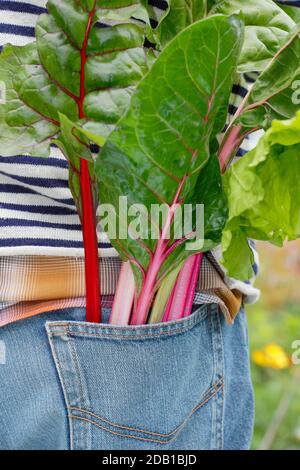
{"type": "Point", "coordinates": [274, 324]}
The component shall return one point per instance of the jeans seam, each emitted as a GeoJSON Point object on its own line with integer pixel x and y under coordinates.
{"type": "Point", "coordinates": [223, 410]}
{"type": "Point", "coordinates": [206, 398]}
{"type": "Point", "coordinates": [82, 436]}
{"type": "Point", "coordinates": [218, 402]}
{"type": "Point", "coordinates": [148, 439]}
{"type": "Point", "coordinates": [220, 406]}
{"type": "Point", "coordinates": [56, 359]}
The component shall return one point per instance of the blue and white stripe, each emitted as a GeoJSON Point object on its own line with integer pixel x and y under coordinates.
{"type": "Point", "coordinates": [37, 212]}
{"type": "Point", "coordinates": [17, 20]}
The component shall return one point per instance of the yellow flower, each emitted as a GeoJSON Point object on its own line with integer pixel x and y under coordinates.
{"type": "Point", "coordinates": [271, 356]}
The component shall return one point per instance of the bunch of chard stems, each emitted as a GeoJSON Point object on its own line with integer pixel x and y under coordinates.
{"type": "Point", "coordinates": [177, 294]}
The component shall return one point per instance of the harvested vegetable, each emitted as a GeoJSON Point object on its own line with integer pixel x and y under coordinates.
{"type": "Point", "coordinates": [158, 116]}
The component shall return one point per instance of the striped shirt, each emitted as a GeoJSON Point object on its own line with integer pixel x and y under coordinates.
{"type": "Point", "coordinates": [37, 212]}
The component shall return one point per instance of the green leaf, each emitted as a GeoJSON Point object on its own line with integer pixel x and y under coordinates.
{"type": "Point", "coordinates": [267, 27]}
{"type": "Point", "coordinates": [263, 196]}
{"type": "Point", "coordinates": [115, 57]}
{"type": "Point", "coordinates": [27, 128]}
{"type": "Point", "coordinates": [293, 12]}
{"type": "Point", "coordinates": [115, 63]}
{"type": "Point", "coordinates": [182, 13]}
{"type": "Point", "coordinates": [162, 143]}
{"type": "Point", "coordinates": [276, 99]}
{"type": "Point", "coordinates": [76, 69]}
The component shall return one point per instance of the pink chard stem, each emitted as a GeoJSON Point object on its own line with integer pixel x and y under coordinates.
{"type": "Point", "coordinates": [232, 142]}
{"type": "Point", "coordinates": [193, 286]}
{"type": "Point", "coordinates": [184, 289]}
{"type": "Point", "coordinates": [141, 311]}
{"type": "Point", "coordinates": [124, 297]}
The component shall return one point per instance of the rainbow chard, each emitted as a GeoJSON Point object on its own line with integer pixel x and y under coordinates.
{"type": "Point", "coordinates": [167, 149]}
{"type": "Point", "coordinates": [77, 75]}
{"type": "Point", "coordinates": [159, 153]}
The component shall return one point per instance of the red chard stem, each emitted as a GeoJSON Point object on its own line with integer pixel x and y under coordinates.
{"type": "Point", "coordinates": [92, 274]}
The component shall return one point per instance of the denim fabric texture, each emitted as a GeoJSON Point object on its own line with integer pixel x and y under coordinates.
{"type": "Point", "coordinates": [68, 384]}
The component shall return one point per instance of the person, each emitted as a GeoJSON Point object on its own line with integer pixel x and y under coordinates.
{"type": "Point", "coordinates": [67, 384]}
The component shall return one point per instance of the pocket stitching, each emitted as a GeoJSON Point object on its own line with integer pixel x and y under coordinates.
{"type": "Point", "coordinates": [128, 337]}
{"type": "Point", "coordinates": [80, 418]}
{"type": "Point", "coordinates": [217, 386]}
{"type": "Point", "coordinates": [170, 330]}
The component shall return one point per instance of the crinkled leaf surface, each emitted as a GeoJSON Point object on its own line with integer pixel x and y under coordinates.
{"type": "Point", "coordinates": [162, 143]}
{"type": "Point", "coordinates": [79, 67]}
{"type": "Point", "coordinates": [263, 196]}
{"type": "Point", "coordinates": [276, 99]}
{"type": "Point", "coordinates": [267, 27]}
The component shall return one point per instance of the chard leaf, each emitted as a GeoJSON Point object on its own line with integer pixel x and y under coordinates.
{"type": "Point", "coordinates": [159, 152]}
{"type": "Point", "coordinates": [263, 196]}
{"type": "Point", "coordinates": [74, 69]}
{"type": "Point", "coordinates": [267, 27]}
{"type": "Point", "coordinates": [182, 13]}
{"type": "Point", "coordinates": [292, 11]}
{"type": "Point", "coordinates": [115, 59]}
{"type": "Point", "coordinates": [27, 128]}
{"type": "Point", "coordinates": [276, 99]}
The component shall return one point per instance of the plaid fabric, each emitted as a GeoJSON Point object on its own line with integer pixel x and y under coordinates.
{"type": "Point", "coordinates": [38, 278]}
{"type": "Point", "coordinates": [31, 285]}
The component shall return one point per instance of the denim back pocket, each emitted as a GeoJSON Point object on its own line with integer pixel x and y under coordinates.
{"type": "Point", "coordinates": [142, 387]}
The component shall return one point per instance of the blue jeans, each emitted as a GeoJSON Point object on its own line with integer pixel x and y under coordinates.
{"type": "Point", "coordinates": [68, 384]}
